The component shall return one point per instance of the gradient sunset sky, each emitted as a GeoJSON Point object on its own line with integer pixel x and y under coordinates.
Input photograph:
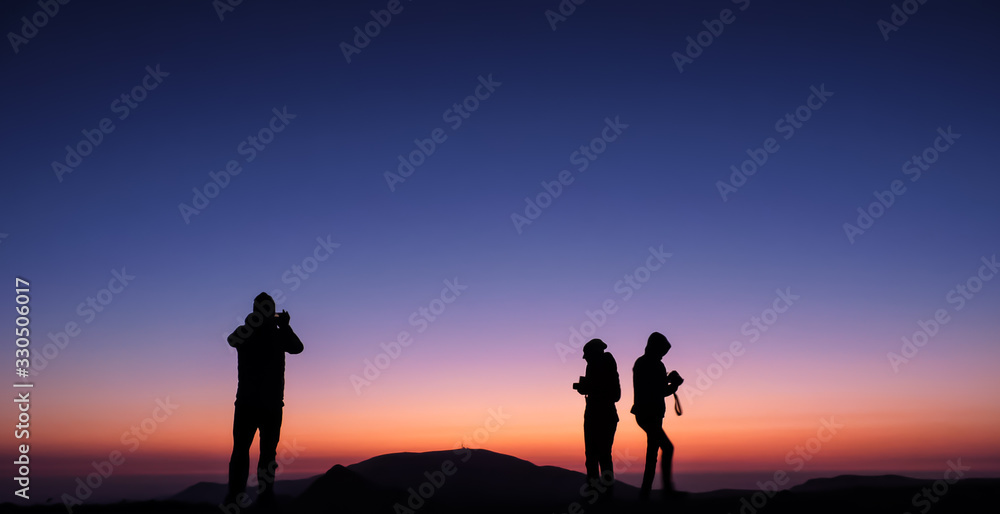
{"type": "Point", "coordinates": [666, 139]}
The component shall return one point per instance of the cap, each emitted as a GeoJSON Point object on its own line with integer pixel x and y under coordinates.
{"type": "Point", "coordinates": [594, 346]}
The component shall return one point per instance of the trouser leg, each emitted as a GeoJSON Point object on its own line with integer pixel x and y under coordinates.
{"type": "Point", "coordinates": [607, 444]}
{"type": "Point", "coordinates": [244, 428]}
{"type": "Point", "coordinates": [591, 444]}
{"type": "Point", "coordinates": [667, 461]}
{"type": "Point", "coordinates": [267, 466]}
{"type": "Point", "coordinates": [652, 448]}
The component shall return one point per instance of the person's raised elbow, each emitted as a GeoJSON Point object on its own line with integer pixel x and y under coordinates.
{"type": "Point", "coordinates": [234, 340]}
{"type": "Point", "coordinates": [293, 345]}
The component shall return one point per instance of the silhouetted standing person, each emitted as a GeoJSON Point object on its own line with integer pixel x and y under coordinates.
{"type": "Point", "coordinates": [600, 418]}
{"type": "Point", "coordinates": [261, 344]}
{"type": "Point", "coordinates": [651, 384]}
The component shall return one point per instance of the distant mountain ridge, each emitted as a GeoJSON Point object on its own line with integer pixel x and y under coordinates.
{"type": "Point", "coordinates": [452, 476]}
{"type": "Point", "coordinates": [855, 481]}
{"type": "Point", "coordinates": [483, 481]}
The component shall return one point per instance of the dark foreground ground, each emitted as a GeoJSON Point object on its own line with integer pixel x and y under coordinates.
{"type": "Point", "coordinates": [966, 496]}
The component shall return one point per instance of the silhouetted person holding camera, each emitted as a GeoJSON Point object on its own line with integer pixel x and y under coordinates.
{"type": "Point", "coordinates": [261, 343]}
{"type": "Point", "coordinates": [600, 419]}
{"type": "Point", "coordinates": [652, 384]}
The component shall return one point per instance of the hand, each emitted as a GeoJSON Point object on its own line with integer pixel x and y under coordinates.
{"type": "Point", "coordinates": [283, 318]}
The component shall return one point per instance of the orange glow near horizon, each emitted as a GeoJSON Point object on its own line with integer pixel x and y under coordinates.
{"type": "Point", "coordinates": [750, 418]}
{"type": "Point", "coordinates": [724, 429]}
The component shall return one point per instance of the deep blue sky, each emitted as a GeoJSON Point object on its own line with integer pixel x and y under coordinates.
{"type": "Point", "coordinates": [324, 175]}
{"type": "Point", "coordinates": [655, 185]}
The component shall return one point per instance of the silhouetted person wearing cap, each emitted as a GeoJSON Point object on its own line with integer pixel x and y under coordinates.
{"type": "Point", "coordinates": [261, 343]}
{"type": "Point", "coordinates": [652, 384]}
{"type": "Point", "coordinates": [600, 419]}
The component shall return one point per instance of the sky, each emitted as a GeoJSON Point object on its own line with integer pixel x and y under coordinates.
{"type": "Point", "coordinates": [801, 196]}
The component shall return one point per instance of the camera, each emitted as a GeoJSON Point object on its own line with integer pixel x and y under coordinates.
{"type": "Point", "coordinates": [675, 378]}
{"type": "Point", "coordinates": [581, 386]}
